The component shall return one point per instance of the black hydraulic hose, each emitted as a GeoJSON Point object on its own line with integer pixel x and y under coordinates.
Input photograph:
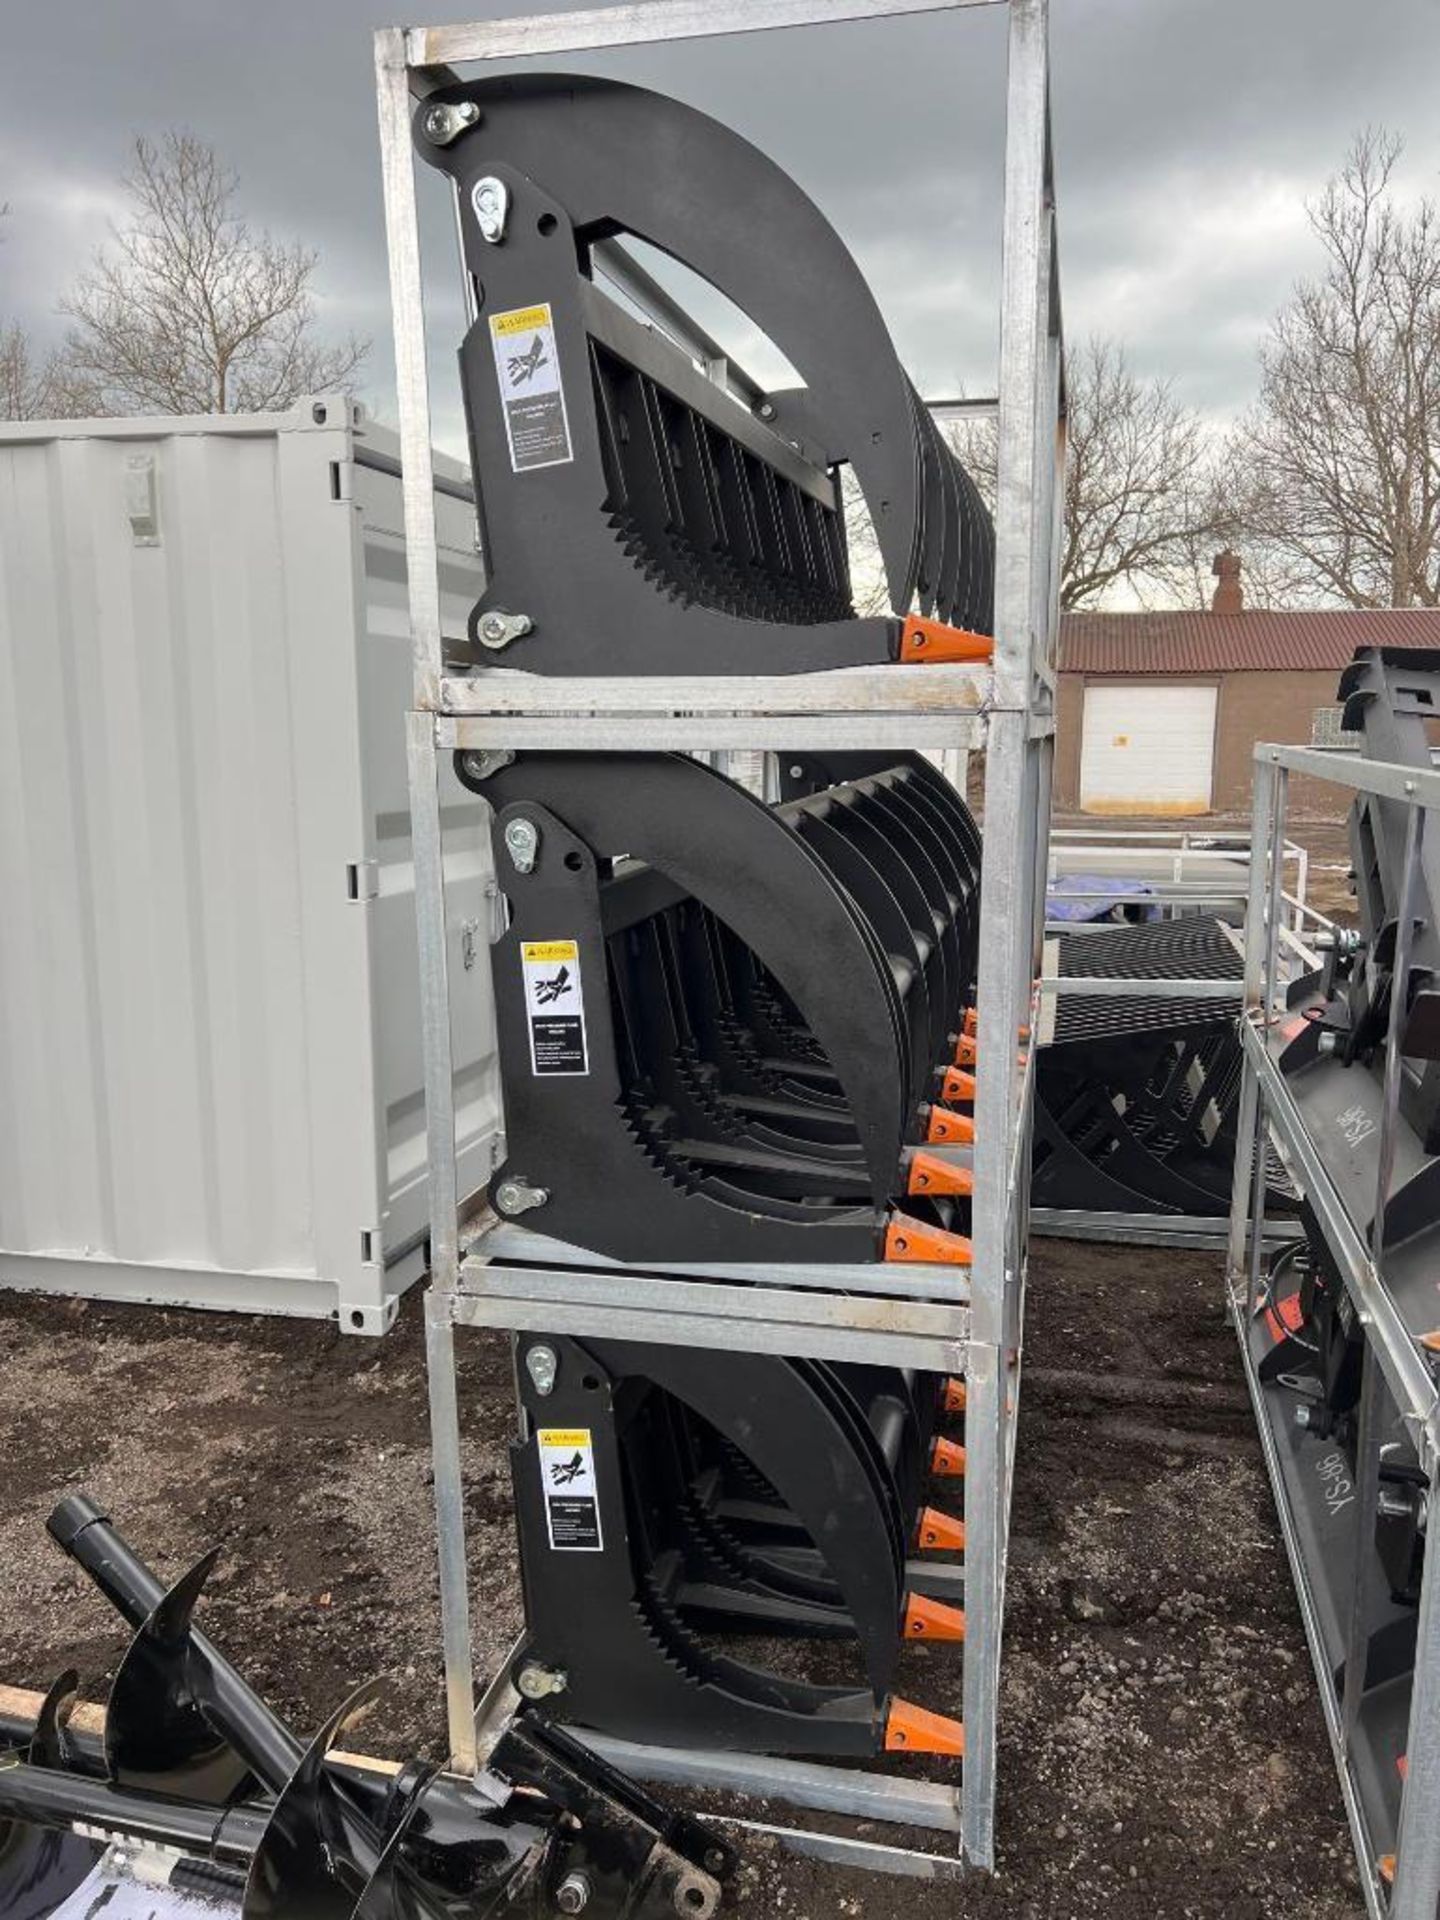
{"type": "Point", "coordinates": [260, 1737]}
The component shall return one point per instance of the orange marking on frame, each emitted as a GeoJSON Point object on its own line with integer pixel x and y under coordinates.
{"type": "Point", "coordinates": [922, 640]}
{"type": "Point", "coordinates": [971, 1026]}
{"type": "Point", "coordinates": [912, 1729]}
{"type": "Point", "coordinates": [956, 1085]}
{"type": "Point", "coordinates": [947, 1459]}
{"type": "Point", "coordinates": [928, 1174]}
{"type": "Point", "coordinates": [946, 1129]}
{"type": "Point", "coordinates": [913, 1240]}
{"type": "Point", "coordinates": [932, 1619]}
{"type": "Point", "coordinates": [940, 1532]}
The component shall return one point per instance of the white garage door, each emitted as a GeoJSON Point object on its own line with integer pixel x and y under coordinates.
{"type": "Point", "coordinates": [1147, 748]}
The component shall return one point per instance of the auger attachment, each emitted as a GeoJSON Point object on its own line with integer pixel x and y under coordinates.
{"type": "Point", "coordinates": [195, 1784]}
{"type": "Point", "coordinates": [706, 527]}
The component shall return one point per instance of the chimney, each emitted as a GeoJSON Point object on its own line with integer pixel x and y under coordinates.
{"type": "Point", "coordinates": [1229, 596]}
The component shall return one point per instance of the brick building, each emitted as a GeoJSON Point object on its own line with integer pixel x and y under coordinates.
{"type": "Point", "coordinates": [1159, 713]}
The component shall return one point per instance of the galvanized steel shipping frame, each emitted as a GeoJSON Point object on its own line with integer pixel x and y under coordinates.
{"type": "Point", "coordinates": [926, 1317]}
{"type": "Point", "coordinates": [1268, 1110]}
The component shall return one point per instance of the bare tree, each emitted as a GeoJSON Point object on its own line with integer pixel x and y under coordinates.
{"type": "Point", "coordinates": [35, 386]}
{"type": "Point", "coordinates": [190, 311]}
{"type": "Point", "coordinates": [22, 383]}
{"type": "Point", "coordinates": [1337, 469]}
{"type": "Point", "coordinates": [1141, 498]}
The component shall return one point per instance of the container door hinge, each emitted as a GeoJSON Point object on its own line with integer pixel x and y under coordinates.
{"type": "Point", "coordinates": [362, 880]}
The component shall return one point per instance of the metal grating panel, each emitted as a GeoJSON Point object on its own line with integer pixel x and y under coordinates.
{"type": "Point", "coordinates": [1188, 949]}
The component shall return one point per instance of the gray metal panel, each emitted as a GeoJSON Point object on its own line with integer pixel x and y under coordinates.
{"type": "Point", "coordinates": [469, 876]}
{"type": "Point", "coordinates": [201, 761]}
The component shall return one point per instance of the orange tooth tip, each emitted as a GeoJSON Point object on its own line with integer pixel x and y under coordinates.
{"type": "Point", "coordinates": [947, 1458]}
{"type": "Point", "coordinates": [928, 1174]}
{"type": "Point", "coordinates": [1386, 1864]}
{"type": "Point", "coordinates": [965, 1055]}
{"type": "Point", "coordinates": [954, 1397]}
{"type": "Point", "coordinates": [911, 1729]}
{"type": "Point", "coordinates": [913, 1240]}
{"type": "Point", "coordinates": [932, 1619]}
{"type": "Point", "coordinates": [922, 640]}
{"type": "Point", "coordinates": [946, 1129]}
{"type": "Point", "coordinates": [956, 1086]}
{"type": "Point", "coordinates": [971, 1022]}
{"type": "Point", "coordinates": [940, 1532]}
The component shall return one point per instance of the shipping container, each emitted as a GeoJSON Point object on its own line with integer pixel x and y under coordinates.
{"type": "Point", "coordinates": [210, 1067]}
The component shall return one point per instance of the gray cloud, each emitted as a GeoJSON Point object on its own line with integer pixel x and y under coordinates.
{"type": "Point", "coordinates": [1188, 134]}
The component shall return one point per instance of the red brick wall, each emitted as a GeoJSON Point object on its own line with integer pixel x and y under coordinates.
{"type": "Point", "coordinates": [1251, 707]}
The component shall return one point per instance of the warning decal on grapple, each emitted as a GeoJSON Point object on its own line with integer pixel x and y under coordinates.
{"type": "Point", "coordinates": [554, 1006]}
{"type": "Point", "coordinates": [532, 394]}
{"type": "Point", "coordinates": [572, 1502]}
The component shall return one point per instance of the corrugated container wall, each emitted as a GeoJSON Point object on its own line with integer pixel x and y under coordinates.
{"type": "Point", "coordinates": [210, 1068]}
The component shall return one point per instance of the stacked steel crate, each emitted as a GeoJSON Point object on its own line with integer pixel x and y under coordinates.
{"type": "Point", "coordinates": [1340, 1331]}
{"type": "Point", "coordinates": [760, 1226]}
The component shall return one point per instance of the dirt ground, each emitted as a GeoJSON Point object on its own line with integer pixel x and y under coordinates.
{"type": "Point", "coordinates": [1162, 1752]}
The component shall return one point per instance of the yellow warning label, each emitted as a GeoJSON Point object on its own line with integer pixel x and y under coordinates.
{"type": "Point", "coordinates": [548, 950]}
{"type": "Point", "coordinates": [519, 320]}
{"type": "Point", "coordinates": [564, 1436]}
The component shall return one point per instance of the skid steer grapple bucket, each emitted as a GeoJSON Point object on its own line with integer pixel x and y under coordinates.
{"type": "Point", "coordinates": [727, 1035]}
{"type": "Point", "coordinates": [639, 518]}
{"type": "Point", "coordinates": [727, 1029]}
{"type": "Point", "coordinates": [1137, 1098]}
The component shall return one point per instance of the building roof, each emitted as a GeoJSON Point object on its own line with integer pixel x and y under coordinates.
{"type": "Point", "coordinates": [1251, 642]}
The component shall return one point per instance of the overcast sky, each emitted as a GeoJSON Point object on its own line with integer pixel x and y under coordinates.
{"type": "Point", "coordinates": [1188, 135]}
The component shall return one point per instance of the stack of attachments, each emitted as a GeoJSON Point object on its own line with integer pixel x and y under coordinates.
{"type": "Point", "coordinates": [733, 1036]}
{"type": "Point", "coordinates": [639, 515]}
{"type": "Point", "coordinates": [729, 1034]}
{"type": "Point", "coordinates": [1310, 1344]}
{"type": "Point", "coordinates": [192, 1797]}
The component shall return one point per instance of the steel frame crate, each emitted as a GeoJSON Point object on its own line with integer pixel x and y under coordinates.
{"type": "Point", "coordinates": [1407, 1887]}
{"type": "Point", "coordinates": [208, 1034]}
{"type": "Point", "coordinates": [917, 1316]}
